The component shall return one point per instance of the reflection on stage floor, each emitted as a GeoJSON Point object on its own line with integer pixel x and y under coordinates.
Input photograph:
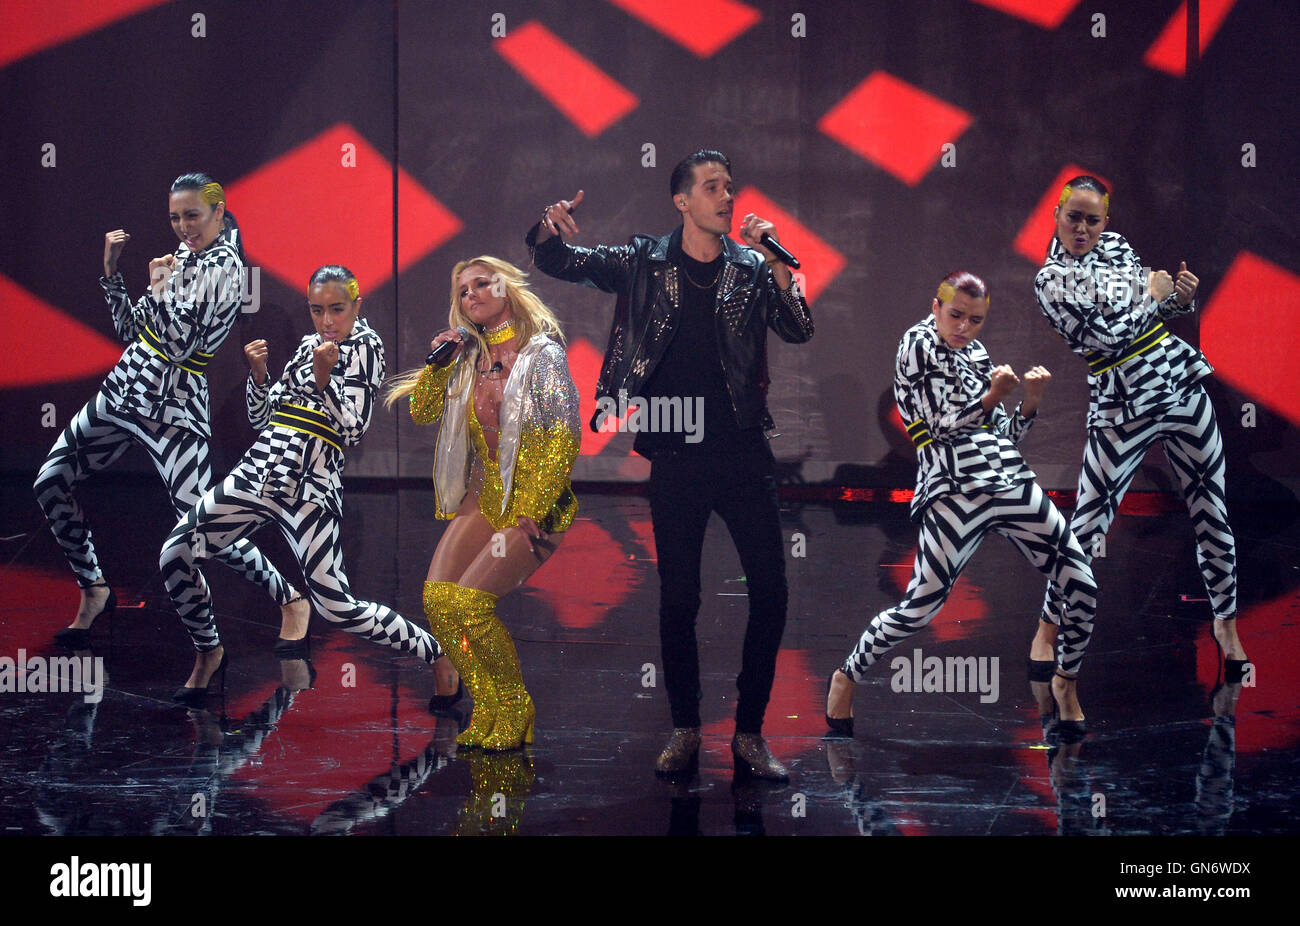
{"type": "Point", "coordinates": [344, 743]}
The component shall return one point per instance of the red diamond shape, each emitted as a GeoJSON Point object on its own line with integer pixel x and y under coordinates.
{"type": "Point", "coordinates": [1239, 332]}
{"type": "Point", "coordinates": [584, 365]}
{"type": "Point", "coordinates": [306, 208]}
{"type": "Point", "coordinates": [1168, 53]}
{"type": "Point", "coordinates": [583, 587]}
{"type": "Point", "coordinates": [700, 26]}
{"type": "Point", "coordinates": [820, 263]}
{"type": "Point", "coordinates": [894, 125]}
{"type": "Point", "coordinates": [1046, 13]}
{"type": "Point", "coordinates": [1036, 233]}
{"type": "Point", "coordinates": [586, 95]}
{"type": "Point", "coordinates": [29, 26]}
{"type": "Point", "coordinates": [81, 352]}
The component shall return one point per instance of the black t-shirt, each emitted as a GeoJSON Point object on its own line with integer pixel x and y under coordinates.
{"type": "Point", "coordinates": [689, 407]}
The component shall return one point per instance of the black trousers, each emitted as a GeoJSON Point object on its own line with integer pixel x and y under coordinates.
{"type": "Point", "coordinates": [684, 490]}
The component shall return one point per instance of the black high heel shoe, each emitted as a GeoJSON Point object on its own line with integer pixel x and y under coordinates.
{"type": "Point", "coordinates": [439, 703]}
{"type": "Point", "coordinates": [195, 697]}
{"type": "Point", "coordinates": [1068, 731]}
{"type": "Point", "coordinates": [839, 726]}
{"type": "Point", "coordinates": [79, 637]}
{"type": "Point", "coordinates": [1041, 671]}
{"type": "Point", "coordinates": [294, 649]}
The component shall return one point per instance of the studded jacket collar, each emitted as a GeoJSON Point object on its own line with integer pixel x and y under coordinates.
{"type": "Point", "coordinates": [648, 285]}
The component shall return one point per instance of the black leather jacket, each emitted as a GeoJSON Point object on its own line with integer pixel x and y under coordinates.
{"type": "Point", "coordinates": [648, 284]}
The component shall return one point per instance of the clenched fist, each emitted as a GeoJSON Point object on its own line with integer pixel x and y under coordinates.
{"type": "Point", "coordinates": [1003, 380]}
{"type": "Point", "coordinates": [1186, 284]}
{"type": "Point", "coordinates": [323, 359]}
{"type": "Point", "coordinates": [114, 242]}
{"type": "Point", "coordinates": [1036, 381]}
{"type": "Point", "coordinates": [1160, 285]}
{"type": "Point", "coordinates": [256, 351]}
{"type": "Point", "coordinates": [160, 271]}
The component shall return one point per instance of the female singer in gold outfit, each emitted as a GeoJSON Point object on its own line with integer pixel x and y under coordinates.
{"type": "Point", "coordinates": [508, 438]}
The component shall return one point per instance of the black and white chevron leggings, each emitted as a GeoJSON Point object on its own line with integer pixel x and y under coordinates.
{"type": "Point", "coordinates": [227, 514]}
{"type": "Point", "coordinates": [1191, 441]}
{"type": "Point", "coordinates": [95, 438]}
{"type": "Point", "coordinates": [951, 530]}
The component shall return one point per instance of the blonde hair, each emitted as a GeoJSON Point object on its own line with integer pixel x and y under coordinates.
{"type": "Point", "coordinates": [531, 316]}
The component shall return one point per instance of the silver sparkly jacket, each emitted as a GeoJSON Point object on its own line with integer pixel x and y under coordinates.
{"type": "Point", "coordinates": [539, 396]}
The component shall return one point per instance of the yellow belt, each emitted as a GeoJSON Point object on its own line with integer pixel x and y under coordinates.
{"type": "Point", "coordinates": [920, 434]}
{"type": "Point", "coordinates": [195, 363]}
{"type": "Point", "coordinates": [306, 421]}
{"type": "Point", "coordinates": [1099, 363]}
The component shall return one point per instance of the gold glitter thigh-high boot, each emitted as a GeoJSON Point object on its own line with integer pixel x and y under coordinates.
{"type": "Point", "coordinates": [494, 653]}
{"type": "Point", "coordinates": [444, 605]}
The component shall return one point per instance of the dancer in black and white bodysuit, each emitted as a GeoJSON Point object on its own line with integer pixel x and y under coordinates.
{"type": "Point", "coordinates": [321, 403]}
{"type": "Point", "coordinates": [157, 396]}
{"type": "Point", "coordinates": [971, 480]}
{"type": "Point", "coordinates": [1144, 385]}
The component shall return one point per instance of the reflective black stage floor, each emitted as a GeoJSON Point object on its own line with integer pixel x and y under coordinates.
{"type": "Point", "coordinates": [355, 751]}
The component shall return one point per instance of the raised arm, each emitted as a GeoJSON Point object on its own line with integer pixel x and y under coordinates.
{"type": "Point", "coordinates": [787, 310]}
{"type": "Point", "coordinates": [260, 395]}
{"type": "Point", "coordinates": [195, 299]}
{"type": "Point", "coordinates": [1073, 298]}
{"type": "Point", "coordinates": [430, 394]}
{"type": "Point", "coordinates": [788, 313]}
{"type": "Point", "coordinates": [1068, 300]}
{"type": "Point", "coordinates": [604, 268]}
{"type": "Point", "coordinates": [348, 388]}
{"type": "Point", "coordinates": [128, 320]}
{"type": "Point", "coordinates": [935, 394]}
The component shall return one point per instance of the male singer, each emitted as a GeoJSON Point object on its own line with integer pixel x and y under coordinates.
{"type": "Point", "coordinates": [691, 325]}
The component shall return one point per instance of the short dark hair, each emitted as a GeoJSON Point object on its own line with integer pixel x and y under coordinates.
{"type": "Point", "coordinates": [684, 173]}
{"type": "Point", "coordinates": [210, 193]}
{"type": "Point", "coordinates": [336, 273]}
{"type": "Point", "coordinates": [1085, 182]}
{"type": "Point", "coordinates": [962, 281]}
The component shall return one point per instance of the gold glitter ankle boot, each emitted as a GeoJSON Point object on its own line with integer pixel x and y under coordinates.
{"type": "Point", "coordinates": [496, 657]}
{"type": "Point", "coordinates": [444, 605]}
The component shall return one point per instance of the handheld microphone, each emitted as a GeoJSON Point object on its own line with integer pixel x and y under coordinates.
{"type": "Point", "coordinates": [440, 356]}
{"type": "Point", "coordinates": [782, 254]}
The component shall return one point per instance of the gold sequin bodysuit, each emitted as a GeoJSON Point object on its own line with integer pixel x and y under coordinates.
{"type": "Point", "coordinates": [548, 445]}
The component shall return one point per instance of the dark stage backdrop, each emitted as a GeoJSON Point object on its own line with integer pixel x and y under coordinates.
{"type": "Point", "coordinates": [890, 141]}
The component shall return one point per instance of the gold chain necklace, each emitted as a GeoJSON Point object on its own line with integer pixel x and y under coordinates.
{"type": "Point", "coordinates": [687, 274]}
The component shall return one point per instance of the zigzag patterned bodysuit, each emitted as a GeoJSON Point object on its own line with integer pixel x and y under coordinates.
{"type": "Point", "coordinates": [971, 480]}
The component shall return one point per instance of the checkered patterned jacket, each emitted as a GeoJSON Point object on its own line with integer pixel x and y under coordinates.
{"type": "Point", "coordinates": [299, 453]}
{"type": "Point", "coordinates": [961, 448]}
{"type": "Point", "coordinates": [1100, 305]}
{"type": "Point", "coordinates": [162, 373]}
